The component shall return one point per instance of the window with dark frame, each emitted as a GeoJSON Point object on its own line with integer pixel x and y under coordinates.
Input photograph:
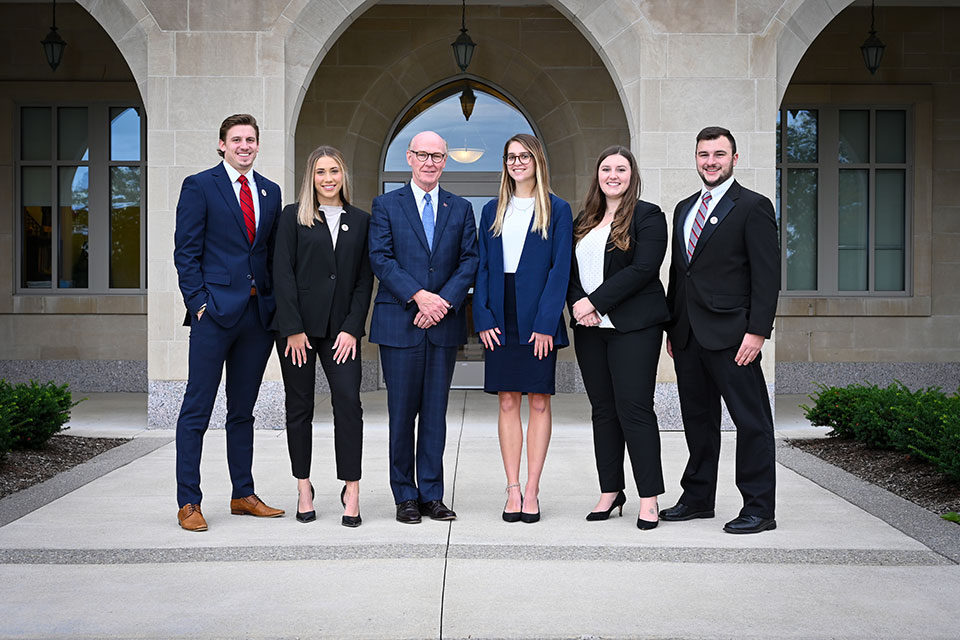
{"type": "Point", "coordinates": [81, 172]}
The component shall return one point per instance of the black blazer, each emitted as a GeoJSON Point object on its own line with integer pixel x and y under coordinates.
{"type": "Point", "coordinates": [319, 291]}
{"type": "Point", "coordinates": [631, 293]}
{"type": "Point", "coordinates": [730, 286]}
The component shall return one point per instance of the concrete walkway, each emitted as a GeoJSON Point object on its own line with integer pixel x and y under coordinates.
{"type": "Point", "coordinates": [97, 553]}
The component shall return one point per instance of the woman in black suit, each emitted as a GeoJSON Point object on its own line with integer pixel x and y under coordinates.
{"type": "Point", "coordinates": [322, 283]}
{"type": "Point", "coordinates": [618, 308]}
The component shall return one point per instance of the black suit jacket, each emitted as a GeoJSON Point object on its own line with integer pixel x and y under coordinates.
{"type": "Point", "coordinates": [319, 291]}
{"type": "Point", "coordinates": [631, 293]}
{"type": "Point", "coordinates": [730, 286]}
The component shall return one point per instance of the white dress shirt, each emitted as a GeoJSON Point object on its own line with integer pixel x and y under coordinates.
{"type": "Point", "coordinates": [590, 254]}
{"type": "Point", "coordinates": [715, 194]}
{"type": "Point", "coordinates": [332, 215]}
{"type": "Point", "coordinates": [516, 223]}
{"type": "Point", "coordinates": [233, 174]}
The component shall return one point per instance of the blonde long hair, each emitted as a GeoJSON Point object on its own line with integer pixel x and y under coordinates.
{"type": "Point", "coordinates": [541, 216]}
{"type": "Point", "coordinates": [307, 213]}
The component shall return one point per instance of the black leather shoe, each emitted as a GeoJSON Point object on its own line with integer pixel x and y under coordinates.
{"type": "Point", "coordinates": [750, 524]}
{"type": "Point", "coordinates": [407, 512]}
{"type": "Point", "coordinates": [680, 512]}
{"type": "Point", "coordinates": [349, 521]}
{"type": "Point", "coordinates": [618, 501]}
{"type": "Point", "coordinates": [306, 516]}
{"type": "Point", "coordinates": [436, 510]}
{"type": "Point", "coordinates": [530, 518]}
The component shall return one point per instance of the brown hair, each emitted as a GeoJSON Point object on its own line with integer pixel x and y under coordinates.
{"type": "Point", "coordinates": [234, 120]}
{"type": "Point", "coordinates": [595, 204]}
{"type": "Point", "coordinates": [541, 203]}
{"type": "Point", "coordinates": [307, 210]}
{"type": "Point", "coordinates": [712, 133]}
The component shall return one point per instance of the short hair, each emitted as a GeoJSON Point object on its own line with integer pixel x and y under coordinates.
{"type": "Point", "coordinates": [234, 120]}
{"type": "Point", "coordinates": [712, 133]}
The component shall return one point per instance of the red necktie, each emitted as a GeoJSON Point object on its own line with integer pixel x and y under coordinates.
{"type": "Point", "coordinates": [246, 205]}
{"type": "Point", "coordinates": [698, 223]}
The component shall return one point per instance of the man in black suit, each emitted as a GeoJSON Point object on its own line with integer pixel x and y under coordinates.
{"type": "Point", "coordinates": [724, 282]}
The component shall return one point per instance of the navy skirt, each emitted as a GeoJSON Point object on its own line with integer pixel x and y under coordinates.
{"type": "Point", "coordinates": [512, 366]}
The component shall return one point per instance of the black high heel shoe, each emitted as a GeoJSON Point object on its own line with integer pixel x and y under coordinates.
{"type": "Point", "coordinates": [618, 501]}
{"type": "Point", "coordinates": [646, 525]}
{"type": "Point", "coordinates": [530, 518]}
{"type": "Point", "coordinates": [349, 521]}
{"type": "Point", "coordinates": [512, 516]}
{"type": "Point", "coordinates": [306, 516]}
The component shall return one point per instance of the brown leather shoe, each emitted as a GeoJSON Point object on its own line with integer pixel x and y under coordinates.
{"type": "Point", "coordinates": [190, 518]}
{"type": "Point", "coordinates": [253, 506]}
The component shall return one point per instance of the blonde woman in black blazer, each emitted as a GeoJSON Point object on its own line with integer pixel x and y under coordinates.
{"type": "Point", "coordinates": [323, 283]}
{"type": "Point", "coordinates": [618, 309]}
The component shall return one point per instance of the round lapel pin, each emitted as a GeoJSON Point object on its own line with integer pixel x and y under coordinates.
{"type": "Point", "coordinates": [714, 220]}
{"type": "Point", "coordinates": [263, 192]}
{"type": "Point", "coordinates": [344, 227]}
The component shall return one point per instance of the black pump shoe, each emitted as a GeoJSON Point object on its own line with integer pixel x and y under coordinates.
{"type": "Point", "coordinates": [618, 501]}
{"type": "Point", "coordinates": [512, 516]}
{"type": "Point", "coordinates": [349, 521]}
{"type": "Point", "coordinates": [306, 516]}
{"type": "Point", "coordinates": [530, 518]}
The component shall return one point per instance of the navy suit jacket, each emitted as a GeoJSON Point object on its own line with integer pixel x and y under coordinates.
{"type": "Point", "coordinates": [404, 264]}
{"type": "Point", "coordinates": [541, 278]}
{"type": "Point", "coordinates": [731, 284]}
{"type": "Point", "coordinates": [216, 264]}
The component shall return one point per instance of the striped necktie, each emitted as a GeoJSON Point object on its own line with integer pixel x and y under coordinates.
{"type": "Point", "coordinates": [698, 223]}
{"type": "Point", "coordinates": [246, 205]}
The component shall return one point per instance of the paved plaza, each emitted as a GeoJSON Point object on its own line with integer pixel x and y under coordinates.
{"type": "Point", "coordinates": [97, 553]}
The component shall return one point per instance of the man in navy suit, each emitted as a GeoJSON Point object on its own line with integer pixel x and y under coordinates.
{"type": "Point", "coordinates": [423, 249]}
{"type": "Point", "coordinates": [226, 221]}
{"type": "Point", "coordinates": [724, 283]}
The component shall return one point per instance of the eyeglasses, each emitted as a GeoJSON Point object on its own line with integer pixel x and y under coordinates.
{"type": "Point", "coordinates": [522, 158]}
{"type": "Point", "coordinates": [423, 155]}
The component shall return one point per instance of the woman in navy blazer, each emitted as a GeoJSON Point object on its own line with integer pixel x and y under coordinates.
{"type": "Point", "coordinates": [323, 282]}
{"type": "Point", "coordinates": [525, 246]}
{"type": "Point", "coordinates": [618, 310]}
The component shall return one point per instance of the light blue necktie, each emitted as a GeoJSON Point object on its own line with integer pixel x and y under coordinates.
{"type": "Point", "coordinates": [428, 221]}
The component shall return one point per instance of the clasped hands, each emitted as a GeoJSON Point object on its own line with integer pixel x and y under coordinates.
{"type": "Point", "coordinates": [585, 313]}
{"type": "Point", "coordinates": [432, 309]}
{"type": "Point", "coordinates": [344, 347]}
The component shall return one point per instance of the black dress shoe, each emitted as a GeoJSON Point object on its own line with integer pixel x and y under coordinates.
{"type": "Point", "coordinates": [618, 501]}
{"type": "Point", "coordinates": [530, 518]}
{"type": "Point", "coordinates": [680, 512]}
{"type": "Point", "coordinates": [306, 516]}
{"type": "Point", "coordinates": [750, 524]}
{"type": "Point", "coordinates": [349, 521]}
{"type": "Point", "coordinates": [436, 510]}
{"type": "Point", "coordinates": [407, 512]}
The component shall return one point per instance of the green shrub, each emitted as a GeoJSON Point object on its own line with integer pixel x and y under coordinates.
{"type": "Point", "coordinates": [33, 412]}
{"type": "Point", "coordinates": [6, 417]}
{"type": "Point", "coordinates": [925, 423]}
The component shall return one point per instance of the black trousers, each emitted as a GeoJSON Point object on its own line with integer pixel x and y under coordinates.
{"type": "Point", "coordinates": [299, 383]}
{"type": "Point", "coordinates": [703, 377]}
{"type": "Point", "coordinates": [620, 375]}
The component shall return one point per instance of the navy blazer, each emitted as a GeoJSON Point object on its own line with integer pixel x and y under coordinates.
{"type": "Point", "coordinates": [730, 286]}
{"type": "Point", "coordinates": [541, 278]}
{"type": "Point", "coordinates": [404, 264]}
{"type": "Point", "coordinates": [216, 264]}
{"type": "Point", "coordinates": [320, 290]}
{"type": "Point", "coordinates": [631, 293]}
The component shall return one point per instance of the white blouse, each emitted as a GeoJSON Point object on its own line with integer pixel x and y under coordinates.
{"type": "Point", "coordinates": [516, 223]}
{"type": "Point", "coordinates": [590, 253]}
{"type": "Point", "coordinates": [332, 216]}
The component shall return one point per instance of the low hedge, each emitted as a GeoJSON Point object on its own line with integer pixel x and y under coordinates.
{"type": "Point", "coordinates": [31, 412]}
{"type": "Point", "coordinates": [925, 423]}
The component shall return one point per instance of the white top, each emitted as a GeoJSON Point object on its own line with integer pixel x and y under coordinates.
{"type": "Point", "coordinates": [233, 174]}
{"type": "Point", "coordinates": [332, 216]}
{"type": "Point", "coordinates": [516, 224]}
{"type": "Point", "coordinates": [590, 253]}
{"type": "Point", "coordinates": [715, 194]}
{"type": "Point", "coordinates": [418, 194]}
